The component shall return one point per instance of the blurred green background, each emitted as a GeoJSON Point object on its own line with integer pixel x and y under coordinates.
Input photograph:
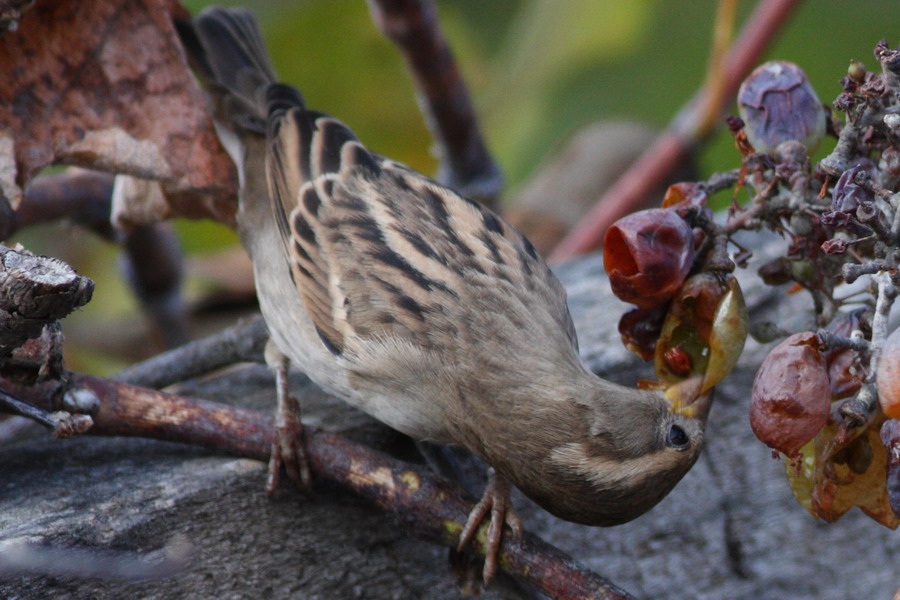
{"type": "Point", "coordinates": [537, 69]}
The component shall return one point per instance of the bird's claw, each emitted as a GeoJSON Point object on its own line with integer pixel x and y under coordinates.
{"type": "Point", "coordinates": [495, 500]}
{"type": "Point", "coordinates": [289, 449]}
{"type": "Point", "coordinates": [289, 441]}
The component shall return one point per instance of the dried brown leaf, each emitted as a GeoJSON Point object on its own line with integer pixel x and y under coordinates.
{"type": "Point", "coordinates": [106, 87]}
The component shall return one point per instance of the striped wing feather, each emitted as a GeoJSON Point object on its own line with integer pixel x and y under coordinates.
{"type": "Point", "coordinates": [379, 251]}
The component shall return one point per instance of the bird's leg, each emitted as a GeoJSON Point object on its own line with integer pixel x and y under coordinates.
{"type": "Point", "coordinates": [496, 500]}
{"type": "Point", "coordinates": [289, 444]}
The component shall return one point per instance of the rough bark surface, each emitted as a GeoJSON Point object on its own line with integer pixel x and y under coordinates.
{"type": "Point", "coordinates": [730, 529]}
{"type": "Point", "coordinates": [35, 291]}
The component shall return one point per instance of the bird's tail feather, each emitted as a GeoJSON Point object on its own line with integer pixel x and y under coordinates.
{"type": "Point", "coordinates": [226, 48]}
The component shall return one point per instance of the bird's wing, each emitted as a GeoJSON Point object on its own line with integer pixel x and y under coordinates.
{"type": "Point", "coordinates": [381, 252]}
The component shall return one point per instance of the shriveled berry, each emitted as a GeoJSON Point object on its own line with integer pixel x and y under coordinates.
{"type": "Point", "coordinates": [791, 395]}
{"type": "Point", "coordinates": [887, 376]}
{"type": "Point", "coordinates": [778, 104]}
{"type": "Point", "coordinates": [775, 272]}
{"type": "Point", "coordinates": [678, 361]}
{"type": "Point", "coordinates": [702, 337]}
{"type": "Point", "coordinates": [647, 255]}
{"type": "Point", "coordinates": [639, 329]}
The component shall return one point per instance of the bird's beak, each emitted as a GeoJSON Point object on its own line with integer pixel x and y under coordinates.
{"type": "Point", "coordinates": [686, 399]}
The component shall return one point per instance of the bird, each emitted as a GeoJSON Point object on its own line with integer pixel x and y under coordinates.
{"type": "Point", "coordinates": [424, 309]}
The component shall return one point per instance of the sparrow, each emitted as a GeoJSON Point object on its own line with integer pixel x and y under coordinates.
{"type": "Point", "coordinates": [424, 309]}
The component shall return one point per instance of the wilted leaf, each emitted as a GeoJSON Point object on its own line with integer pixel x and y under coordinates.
{"type": "Point", "coordinates": [838, 485]}
{"type": "Point", "coordinates": [702, 336]}
{"type": "Point", "coordinates": [104, 85]}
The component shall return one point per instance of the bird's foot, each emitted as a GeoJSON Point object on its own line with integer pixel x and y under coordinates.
{"type": "Point", "coordinates": [289, 442]}
{"type": "Point", "coordinates": [496, 501]}
{"type": "Point", "coordinates": [289, 449]}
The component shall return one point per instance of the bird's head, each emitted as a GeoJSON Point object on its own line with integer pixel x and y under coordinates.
{"type": "Point", "coordinates": [626, 453]}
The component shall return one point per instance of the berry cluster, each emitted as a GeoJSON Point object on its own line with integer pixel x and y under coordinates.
{"type": "Point", "coordinates": [826, 399]}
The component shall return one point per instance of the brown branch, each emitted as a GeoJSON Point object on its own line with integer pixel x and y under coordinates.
{"type": "Point", "coordinates": [465, 163]}
{"type": "Point", "coordinates": [430, 506]}
{"type": "Point", "coordinates": [81, 195]}
{"type": "Point", "coordinates": [690, 126]}
{"type": "Point", "coordinates": [154, 270]}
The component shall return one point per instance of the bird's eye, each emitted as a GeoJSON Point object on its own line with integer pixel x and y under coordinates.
{"type": "Point", "coordinates": [677, 437]}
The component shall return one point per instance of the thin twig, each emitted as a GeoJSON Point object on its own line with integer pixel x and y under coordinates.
{"type": "Point", "coordinates": [852, 271]}
{"type": "Point", "coordinates": [465, 163]}
{"type": "Point", "coordinates": [61, 423]}
{"type": "Point", "coordinates": [243, 342]}
{"type": "Point", "coordinates": [887, 292]}
{"type": "Point", "coordinates": [78, 194]}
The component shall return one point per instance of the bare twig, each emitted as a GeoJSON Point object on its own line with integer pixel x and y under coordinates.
{"type": "Point", "coordinates": [61, 423]}
{"type": "Point", "coordinates": [852, 271]}
{"type": "Point", "coordinates": [81, 195]}
{"type": "Point", "coordinates": [243, 342]}
{"type": "Point", "coordinates": [690, 126]}
{"type": "Point", "coordinates": [430, 506]}
{"type": "Point", "coordinates": [831, 340]}
{"type": "Point", "coordinates": [154, 268]}
{"type": "Point", "coordinates": [465, 163]}
{"type": "Point", "coordinates": [884, 300]}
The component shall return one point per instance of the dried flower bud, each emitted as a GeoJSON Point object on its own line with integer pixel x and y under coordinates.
{"type": "Point", "coordinates": [888, 57]}
{"type": "Point", "coordinates": [847, 194]}
{"type": "Point", "coordinates": [834, 246]}
{"type": "Point", "coordinates": [856, 71]}
{"type": "Point", "coordinates": [778, 104]}
{"type": "Point", "coordinates": [835, 220]}
{"type": "Point", "coordinates": [846, 102]}
{"type": "Point", "coordinates": [693, 194]}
